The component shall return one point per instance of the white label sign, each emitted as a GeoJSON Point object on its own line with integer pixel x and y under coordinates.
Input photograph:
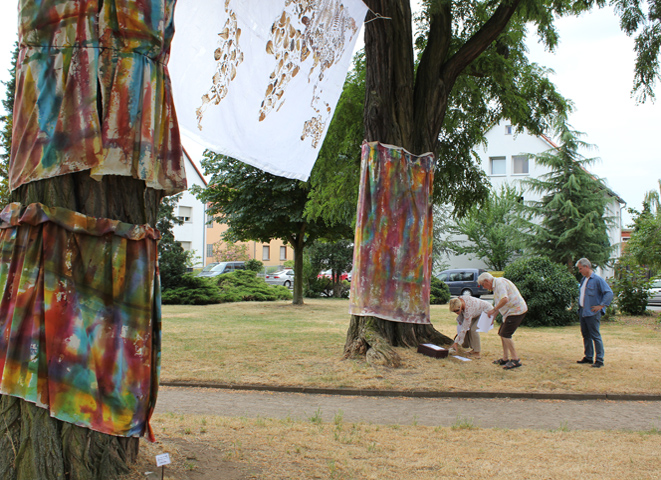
{"type": "Point", "coordinates": [162, 459]}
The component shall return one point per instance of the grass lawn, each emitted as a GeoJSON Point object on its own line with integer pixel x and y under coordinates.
{"type": "Point", "coordinates": [282, 344]}
{"type": "Point", "coordinates": [277, 343]}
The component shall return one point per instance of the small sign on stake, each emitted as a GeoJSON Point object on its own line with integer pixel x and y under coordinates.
{"type": "Point", "coordinates": [162, 460]}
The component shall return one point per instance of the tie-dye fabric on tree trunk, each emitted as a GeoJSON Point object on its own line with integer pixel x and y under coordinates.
{"type": "Point", "coordinates": [392, 251]}
{"type": "Point", "coordinates": [80, 317]}
{"type": "Point", "coordinates": [93, 92]}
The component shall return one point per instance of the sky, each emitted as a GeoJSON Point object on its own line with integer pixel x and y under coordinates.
{"type": "Point", "coordinates": [593, 67]}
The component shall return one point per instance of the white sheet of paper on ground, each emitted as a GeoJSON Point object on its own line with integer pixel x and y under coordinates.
{"type": "Point", "coordinates": [463, 359]}
{"type": "Point", "coordinates": [484, 323]}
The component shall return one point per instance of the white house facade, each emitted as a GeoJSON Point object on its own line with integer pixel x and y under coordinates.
{"type": "Point", "coordinates": [506, 158]}
{"type": "Point", "coordinates": [192, 233]}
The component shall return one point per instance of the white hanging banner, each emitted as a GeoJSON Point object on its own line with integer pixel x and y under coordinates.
{"type": "Point", "coordinates": [259, 80]}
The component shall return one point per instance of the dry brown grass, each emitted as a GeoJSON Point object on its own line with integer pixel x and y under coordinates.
{"type": "Point", "coordinates": [282, 344]}
{"type": "Point", "coordinates": [238, 448]}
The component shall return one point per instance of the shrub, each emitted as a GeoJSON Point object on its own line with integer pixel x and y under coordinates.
{"type": "Point", "coordinates": [440, 292]}
{"type": "Point", "coordinates": [192, 290]}
{"type": "Point", "coordinates": [548, 288]}
{"type": "Point", "coordinates": [254, 265]}
{"type": "Point", "coordinates": [244, 286]}
{"type": "Point", "coordinates": [319, 287]}
{"type": "Point", "coordinates": [630, 287]}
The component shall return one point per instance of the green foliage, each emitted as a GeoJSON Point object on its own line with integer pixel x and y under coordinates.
{"type": "Point", "coordinates": [573, 206]}
{"type": "Point", "coordinates": [6, 132]}
{"type": "Point", "coordinates": [172, 259]}
{"type": "Point", "coordinates": [335, 177]}
{"type": "Point", "coordinates": [254, 265]}
{"type": "Point", "coordinates": [643, 22]}
{"type": "Point", "coordinates": [244, 286]}
{"type": "Point", "coordinates": [192, 290]}
{"type": "Point", "coordinates": [260, 206]}
{"type": "Point", "coordinates": [440, 292]}
{"type": "Point", "coordinates": [324, 287]}
{"type": "Point", "coordinates": [548, 288]}
{"type": "Point", "coordinates": [645, 242]}
{"type": "Point", "coordinates": [492, 231]}
{"type": "Point", "coordinates": [336, 256]}
{"type": "Point", "coordinates": [631, 286]}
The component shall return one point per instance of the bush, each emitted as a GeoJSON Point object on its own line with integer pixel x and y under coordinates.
{"type": "Point", "coordinates": [244, 286]}
{"type": "Point", "coordinates": [631, 287]}
{"type": "Point", "coordinates": [550, 291]}
{"type": "Point", "coordinates": [192, 290]}
{"type": "Point", "coordinates": [254, 265]}
{"type": "Point", "coordinates": [440, 292]}
{"type": "Point", "coordinates": [323, 287]}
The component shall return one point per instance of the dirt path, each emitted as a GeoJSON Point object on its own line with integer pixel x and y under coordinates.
{"type": "Point", "coordinates": [485, 413]}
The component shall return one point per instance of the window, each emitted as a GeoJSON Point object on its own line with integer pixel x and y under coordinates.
{"type": "Point", "coordinates": [266, 252]}
{"type": "Point", "coordinates": [467, 276]}
{"type": "Point", "coordinates": [520, 164]}
{"type": "Point", "coordinates": [498, 165]}
{"type": "Point", "coordinates": [209, 249]}
{"type": "Point", "coordinates": [508, 129]}
{"type": "Point", "coordinates": [186, 246]}
{"type": "Point", "coordinates": [283, 253]}
{"type": "Point", "coordinates": [185, 214]}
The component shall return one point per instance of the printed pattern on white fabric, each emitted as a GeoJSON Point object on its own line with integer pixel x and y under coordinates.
{"type": "Point", "coordinates": [259, 81]}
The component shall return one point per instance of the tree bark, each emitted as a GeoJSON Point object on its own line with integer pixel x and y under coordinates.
{"type": "Point", "coordinates": [32, 444]}
{"type": "Point", "coordinates": [298, 244]}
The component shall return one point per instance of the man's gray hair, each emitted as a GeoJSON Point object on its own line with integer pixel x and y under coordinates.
{"type": "Point", "coordinates": [585, 262]}
{"type": "Point", "coordinates": [484, 276]}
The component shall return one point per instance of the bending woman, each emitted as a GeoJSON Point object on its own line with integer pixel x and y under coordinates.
{"type": "Point", "coordinates": [468, 310]}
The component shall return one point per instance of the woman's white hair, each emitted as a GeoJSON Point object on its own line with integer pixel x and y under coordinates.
{"type": "Point", "coordinates": [484, 276]}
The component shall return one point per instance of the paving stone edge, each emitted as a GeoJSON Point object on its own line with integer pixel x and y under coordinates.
{"type": "Point", "coordinates": [418, 393]}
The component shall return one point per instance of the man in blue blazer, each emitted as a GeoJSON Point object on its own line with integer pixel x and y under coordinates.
{"type": "Point", "coordinates": [593, 298]}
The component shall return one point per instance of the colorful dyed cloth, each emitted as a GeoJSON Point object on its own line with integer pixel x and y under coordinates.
{"type": "Point", "coordinates": [393, 243]}
{"type": "Point", "coordinates": [93, 92]}
{"type": "Point", "coordinates": [80, 317]}
{"type": "Point", "coordinates": [258, 80]}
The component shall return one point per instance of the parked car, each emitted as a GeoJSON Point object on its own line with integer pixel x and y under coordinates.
{"type": "Point", "coordinates": [283, 277]}
{"type": "Point", "coordinates": [463, 281]}
{"type": "Point", "coordinates": [329, 273]}
{"type": "Point", "coordinates": [655, 293]}
{"type": "Point", "coordinates": [221, 267]}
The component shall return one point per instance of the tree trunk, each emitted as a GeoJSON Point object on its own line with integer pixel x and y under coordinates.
{"type": "Point", "coordinates": [32, 444]}
{"type": "Point", "coordinates": [374, 338]}
{"type": "Point", "coordinates": [298, 244]}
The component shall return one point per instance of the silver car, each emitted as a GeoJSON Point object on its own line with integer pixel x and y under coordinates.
{"type": "Point", "coordinates": [655, 293]}
{"type": "Point", "coordinates": [283, 277]}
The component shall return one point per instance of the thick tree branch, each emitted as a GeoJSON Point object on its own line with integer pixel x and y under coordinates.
{"type": "Point", "coordinates": [430, 93]}
{"type": "Point", "coordinates": [479, 42]}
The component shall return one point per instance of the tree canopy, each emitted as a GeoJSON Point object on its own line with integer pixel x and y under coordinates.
{"type": "Point", "coordinates": [492, 231]}
{"type": "Point", "coordinates": [259, 206]}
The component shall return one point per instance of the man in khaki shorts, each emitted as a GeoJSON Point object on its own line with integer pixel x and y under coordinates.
{"type": "Point", "coordinates": [508, 301]}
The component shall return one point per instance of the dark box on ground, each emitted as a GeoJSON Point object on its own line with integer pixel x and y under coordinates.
{"type": "Point", "coordinates": [432, 350]}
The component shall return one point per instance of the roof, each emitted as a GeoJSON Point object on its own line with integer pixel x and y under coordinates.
{"type": "Point", "coordinates": [197, 170]}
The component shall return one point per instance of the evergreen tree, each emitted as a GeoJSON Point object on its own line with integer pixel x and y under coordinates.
{"type": "Point", "coordinates": [5, 133]}
{"type": "Point", "coordinates": [573, 206]}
